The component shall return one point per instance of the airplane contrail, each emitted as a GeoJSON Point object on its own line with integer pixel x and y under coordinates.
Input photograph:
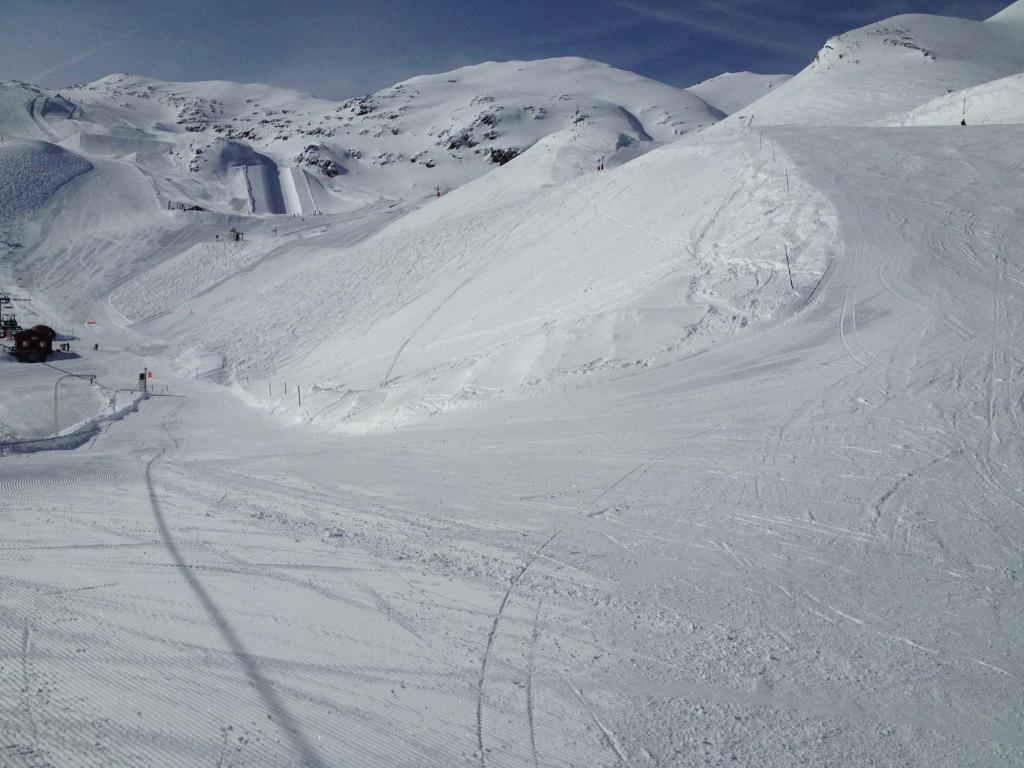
{"type": "Point", "coordinates": [80, 56]}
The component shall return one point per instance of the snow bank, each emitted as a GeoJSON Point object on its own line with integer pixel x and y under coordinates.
{"type": "Point", "coordinates": [77, 435]}
{"type": "Point", "coordinates": [26, 408]}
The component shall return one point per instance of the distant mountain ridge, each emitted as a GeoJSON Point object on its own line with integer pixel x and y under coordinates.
{"type": "Point", "coordinates": [258, 149]}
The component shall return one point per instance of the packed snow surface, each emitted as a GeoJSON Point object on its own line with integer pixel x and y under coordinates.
{"type": "Point", "coordinates": [669, 439]}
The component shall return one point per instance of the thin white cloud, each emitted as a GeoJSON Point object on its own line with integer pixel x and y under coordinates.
{"type": "Point", "coordinates": [742, 28]}
{"type": "Point", "coordinates": [39, 76]}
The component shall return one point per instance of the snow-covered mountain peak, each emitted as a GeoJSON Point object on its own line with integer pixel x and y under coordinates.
{"type": "Point", "coordinates": [874, 73]}
{"type": "Point", "coordinates": [1012, 13]}
{"type": "Point", "coordinates": [513, 70]}
{"type": "Point", "coordinates": [659, 110]}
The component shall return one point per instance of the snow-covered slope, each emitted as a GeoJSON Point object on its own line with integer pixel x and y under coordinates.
{"type": "Point", "coordinates": [517, 282]}
{"type": "Point", "coordinates": [879, 71]}
{"type": "Point", "coordinates": [732, 91]}
{"type": "Point", "coordinates": [1012, 14]}
{"type": "Point", "coordinates": [28, 111]}
{"type": "Point", "coordinates": [1000, 102]}
{"type": "Point", "coordinates": [741, 483]}
{"type": "Point", "coordinates": [544, 272]}
{"type": "Point", "coordinates": [174, 166]}
{"type": "Point", "coordinates": [30, 173]}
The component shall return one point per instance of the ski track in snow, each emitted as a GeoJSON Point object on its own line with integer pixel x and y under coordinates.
{"type": "Point", "coordinates": [274, 704]}
{"type": "Point", "coordinates": [531, 706]}
{"type": "Point", "coordinates": [481, 683]}
{"type": "Point", "coordinates": [613, 743]}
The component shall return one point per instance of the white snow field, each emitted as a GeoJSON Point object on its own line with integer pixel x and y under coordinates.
{"type": "Point", "coordinates": [1000, 102]}
{"type": "Point", "coordinates": [578, 477]}
{"type": "Point", "coordinates": [732, 91]}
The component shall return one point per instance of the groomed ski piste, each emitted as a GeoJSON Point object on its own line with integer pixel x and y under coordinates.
{"type": "Point", "coordinates": [710, 457]}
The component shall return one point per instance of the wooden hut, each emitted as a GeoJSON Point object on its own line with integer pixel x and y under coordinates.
{"type": "Point", "coordinates": [33, 345]}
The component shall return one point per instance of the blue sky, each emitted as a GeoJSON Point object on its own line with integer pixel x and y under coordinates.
{"type": "Point", "coordinates": [350, 47]}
